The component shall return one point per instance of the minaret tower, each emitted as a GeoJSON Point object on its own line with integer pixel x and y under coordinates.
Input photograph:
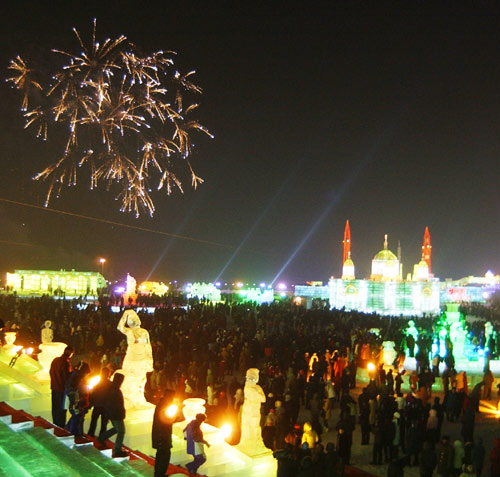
{"type": "Point", "coordinates": [400, 261]}
{"type": "Point", "coordinates": [346, 242]}
{"type": "Point", "coordinates": [426, 248]}
{"type": "Point", "coordinates": [347, 263]}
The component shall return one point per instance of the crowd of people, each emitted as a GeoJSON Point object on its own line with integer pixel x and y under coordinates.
{"type": "Point", "coordinates": [309, 363]}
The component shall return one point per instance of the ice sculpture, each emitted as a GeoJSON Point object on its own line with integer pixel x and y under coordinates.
{"type": "Point", "coordinates": [49, 351]}
{"type": "Point", "coordinates": [137, 362]}
{"type": "Point", "coordinates": [251, 438]}
{"type": "Point", "coordinates": [193, 406]}
{"type": "Point", "coordinates": [488, 331]}
{"type": "Point", "coordinates": [389, 353]}
{"type": "Point", "coordinates": [412, 330]}
{"type": "Point", "coordinates": [10, 339]}
{"type": "Point", "coordinates": [47, 332]}
{"type": "Point", "coordinates": [457, 337]}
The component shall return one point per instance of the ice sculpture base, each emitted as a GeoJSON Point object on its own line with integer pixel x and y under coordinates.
{"type": "Point", "coordinates": [49, 352]}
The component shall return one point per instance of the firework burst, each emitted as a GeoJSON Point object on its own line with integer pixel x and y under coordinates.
{"type": "Point", "coordinates": [124, 115]}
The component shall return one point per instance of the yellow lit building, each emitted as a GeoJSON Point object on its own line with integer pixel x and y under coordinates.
{"type": "Point", "coordinates": [52, 282]}
{"type": "Point", "coordinates": [150, 288]}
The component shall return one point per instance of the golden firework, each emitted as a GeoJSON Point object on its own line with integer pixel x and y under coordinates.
{"type": "Point", "coordinates": [125, 116]}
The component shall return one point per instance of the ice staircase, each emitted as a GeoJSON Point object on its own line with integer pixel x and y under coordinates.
{"type": "Point", "coordinates": [34, 451]}
{"type": "Point", "coordinates": [34, 447]}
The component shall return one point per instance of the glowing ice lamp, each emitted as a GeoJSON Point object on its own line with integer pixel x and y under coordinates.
{"type": "Point", "coordinates": [226, 430]}
{"type": "Point", "coordinates": [217, 284]}
{"type": "Point", "coordinates": [282, 286]}
{"type": "Point", "coordinates": [172, 410]}
{"type": "Point", "coordinates": [93, 381]}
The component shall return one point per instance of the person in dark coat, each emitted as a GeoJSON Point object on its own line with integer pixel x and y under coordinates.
{"type": "Point", "coordinates": [468, 424]}
{"type": "Point", "coordinates": [452, 405]}
{"type": "Point", "coordinates": [306, 468]}
{"type": "Point", "coordinates": [410, 343]}
{"type": "Point", "coordinates": [318, 458]}
{"type": "Point", "coordinates": [495, 459]}
{"type": "Point", "coordinates": [115, 410]}
{"type": "Point", "coordinates": [161, 433]}
{"type": "Point", "coordinates": [60, 370]}
{"type": "Point", "coordinates": [468, 453]}
{"type": "Point", "coordinates": [364, 416]}
{"type": "Point", "coordinates": [269, 434]}
{"type": "Point", "coordinates": [396, 467]}
{"type": "Point", "coordinates": [438, 407]}
{"type": "Point", "coordinates": [344, 439]}
{"type": "Point", "coordinates": [353, 368]}
{"type": "Point", "coordinates": [286, 462]}
{"type": "Point", "coordinates": [331, 461]}
{"type": "Point", "coordinates": [398, 380]}
{"type": "Point", "coordinates": [478, 453]}
{"type": "Point", "coordinates": [475, 395]}
{"type": "Point", "coordinates": [390, 382]}
{"type": "Point", "coordinates": [195, 442]}
{"type": "Point", "coordinates": [445, 458]}
{"type": "Point", "coordinates": [97, 396]}
{"type": "Point", "coordinates": [377, 444]}
{"type": "Point", "coordinates": [388, 434]}
{"type": "Point", "coordinates": [414, 437]}
{"type": "Point", "coordinates": [78, 394]}
{"type": "Point", "coordinates": [428, 460]}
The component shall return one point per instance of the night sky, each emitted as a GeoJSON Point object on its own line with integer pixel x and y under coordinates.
{"type": "Point", "coordinates": [321, 112]}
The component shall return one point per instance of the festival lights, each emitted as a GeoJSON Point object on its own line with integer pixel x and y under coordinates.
{"type": "Point", "coordinates": [93, 381]}
{"type": "Point", "coordinates": [172, 410]}
{"type": "Point", "coordinates": [58, 282]}
{"type": "Point", "coordinates": [226, 430]}
{"type": "Point", "coordinates": [125, 117]}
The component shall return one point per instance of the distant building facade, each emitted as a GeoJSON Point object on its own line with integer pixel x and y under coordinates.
{"type": "Point", "coordinates": [56, 283]}
{"type": "Point", "coordinates": [385, 292]}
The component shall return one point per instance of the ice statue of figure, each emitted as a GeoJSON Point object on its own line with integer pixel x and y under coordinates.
{"type": "Point", "coordinates": [489, 334]}
{"type": "Point", "coordinates": [251, 438]}
{"type": "Point", "coordinates": [457, 337]}
{"type": "Point", "coordinates": [389, 352]}
{"type": "Point", "coordinates": [47, 332]}
{"type": "Point", "coordinates": [442, 342]}
{"type": "Point", "coordinates": [412, 331]}
{"type": "Point", "coordinates": [138, 360]}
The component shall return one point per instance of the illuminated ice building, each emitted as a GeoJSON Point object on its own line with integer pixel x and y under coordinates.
{"type": "Point", "coordinates": [55, 282]}
{"type": "Point", "coordinates": [385, 292]}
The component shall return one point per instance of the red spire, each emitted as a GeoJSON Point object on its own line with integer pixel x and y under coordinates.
{"type": "Point", "coordinates": [347, 242]}
{"type": "Point", "coordinates": [426, 248]}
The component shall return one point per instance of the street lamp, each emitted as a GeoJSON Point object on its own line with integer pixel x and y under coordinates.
{"type": "Point", "coordinates": [102, 261]}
